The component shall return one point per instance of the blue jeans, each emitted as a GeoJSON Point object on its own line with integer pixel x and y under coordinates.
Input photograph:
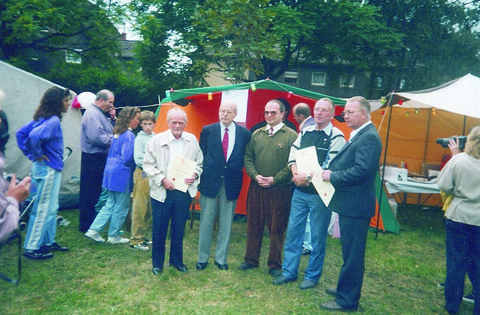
{"type": "Point", "coordinates": [302, 205]}
{"type": "Point", "coordinates": [115, 211]}
{"type": "Point", "coordinates": [307, 238]}
{"type": "Point", "coordinates": [42, 224]}
{"type": "Point", "coordinates": [463, 255]}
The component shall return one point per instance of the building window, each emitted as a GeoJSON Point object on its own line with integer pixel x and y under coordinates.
{"type": "Point", "coordinates": [379, 82]}
{"type": "Point", "coordinates": [318, 78]}
{"type": "Point", "coordinates": [290, 77]}
{"type": "Point", "coordinates": [347, 80]}
{"type": "Point", "coordinates": [73, 56]}
{"type": "Point", "coordinates": [401, 84]}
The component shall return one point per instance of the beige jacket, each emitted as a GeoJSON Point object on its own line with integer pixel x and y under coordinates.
{"type": "Point", "coordinates": [155, 162]}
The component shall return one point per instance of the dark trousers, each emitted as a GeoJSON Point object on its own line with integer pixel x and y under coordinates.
{"type": "Point", "coordinates": [174, 209]}
{"type": "Point", "coordinates": [354, 232]}
{"type": "Point", "coordinates": [91, 177]}
{"type": "Point", "coordinates": [270, 206]}
{"type": "Point", "coordinates": [463, 255]}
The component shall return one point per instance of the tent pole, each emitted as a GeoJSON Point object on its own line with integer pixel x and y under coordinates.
{"type": "Point", "coordinates": [389, 104]}
{"type": "Point", "coordinates": [427, 135]}
{"type": "Point", "coordinates": [464, 124]}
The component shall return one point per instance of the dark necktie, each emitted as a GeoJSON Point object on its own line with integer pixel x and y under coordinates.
{"type": "Point", "coordinates": [225, 143]}
{"type": "Point", "coordinates": [271, 131]}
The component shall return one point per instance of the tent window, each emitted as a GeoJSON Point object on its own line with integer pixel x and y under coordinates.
{"type": "Point", "coordinates": [318, 78]}
{"type": "Point", "coordinates": [73, 56]}
{"type": "Point", "coordinates": [290, 77]}
{"type": "Point", "coordinates": [347, 80]}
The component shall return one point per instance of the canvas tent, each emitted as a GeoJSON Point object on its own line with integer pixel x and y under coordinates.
{"type": "Point", "coordinates": [23, 92]}
{"type": "Point", "coordinates": [418, 118]}
{"type": "Point", "coordinates": [201, 105]}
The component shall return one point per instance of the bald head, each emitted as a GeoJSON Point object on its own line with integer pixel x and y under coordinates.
{"type": "Point", "coordinates": [301, 111]}
{"type": "Point", "coordinates": [227, 112]}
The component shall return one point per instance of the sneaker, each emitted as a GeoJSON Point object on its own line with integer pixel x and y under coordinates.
{"type": "Point", "coordinates": [141, 247]}
{"type": "Point", "coordinates": [38, 254]}
{"type": "Point", "coordinates": [306, 251]}
{"type": "Point", "coordinates": [94, 235]}
{"type": "Point", "coordinates": [147, 242]}
{"type": "Point", "coordinates": [469, 298]}
{"type": "Point", "coordinates": [117, 240]}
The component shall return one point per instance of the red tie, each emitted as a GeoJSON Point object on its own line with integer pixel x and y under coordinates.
{"type": "Point", "coordinates": [271, 131]}
{"type": "Point", "coordinates": [225, 143]}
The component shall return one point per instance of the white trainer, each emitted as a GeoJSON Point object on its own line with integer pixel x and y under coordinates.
{"type": "Point", "coordinates": [140, 247]}
{"type": "Point", "coordinates": [94, 235]}
{"type": "Point", "coordinates": [117, 240]}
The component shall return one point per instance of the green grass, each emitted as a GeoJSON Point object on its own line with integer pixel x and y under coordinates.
{"type": "Point", "coordinates": [402, 272]}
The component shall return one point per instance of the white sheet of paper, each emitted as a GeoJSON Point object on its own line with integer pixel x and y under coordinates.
{"type": "Point", "coordinates": [307, 162]}
{"type": "Point", "coordinates": [181, 168]}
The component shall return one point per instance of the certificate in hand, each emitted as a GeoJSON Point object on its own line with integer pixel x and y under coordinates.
{"type": "Point", "coordinates": [181, 168]}
{"type": "Point", "coordinates": [307, 162]}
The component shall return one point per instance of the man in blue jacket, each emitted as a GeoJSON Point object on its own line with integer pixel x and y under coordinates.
{"type": "Point", "coordinates": [223, 144]}
{"type": "Point", "coordinates": [352, 172]}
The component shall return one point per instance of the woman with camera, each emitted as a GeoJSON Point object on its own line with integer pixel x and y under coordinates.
{"type": "Point", "coordinates": [462, 221]}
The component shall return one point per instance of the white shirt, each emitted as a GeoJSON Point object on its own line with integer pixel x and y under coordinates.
{"type": "Point", "coordinates": [275, 128]}
{"type": "Point", "coordinates": [176, 147]}
{"type": "Point", "coordinates": [354, 132]}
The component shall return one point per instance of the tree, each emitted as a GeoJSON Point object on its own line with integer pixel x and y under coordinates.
{"type": "Point", "coordinates": [37, 35]}
{"type": "Point", "coordinates": [441, 40]}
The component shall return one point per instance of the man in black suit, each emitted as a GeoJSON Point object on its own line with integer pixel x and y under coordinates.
{"type": "Point", "coordinates": [352, 172]}
{"type": "Point", "coordinates": [223, 145]}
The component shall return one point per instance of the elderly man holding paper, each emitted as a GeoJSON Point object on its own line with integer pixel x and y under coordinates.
{"type": "Point", "coordinates": [173, 162]}
{"type": "Point", "coordinates": [313, 149]}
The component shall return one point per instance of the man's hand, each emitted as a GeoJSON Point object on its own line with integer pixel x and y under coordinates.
{"type": "Point", "coordinates": [190, 180]}
{"type": "Point", "coordinates": [264, 181]}
{"type": "Point", "coordinates": [168, 184]}
{"type": "Point", "coordinates": [326, 175]}
{"type": "Point", "coordinates": [301, 179]}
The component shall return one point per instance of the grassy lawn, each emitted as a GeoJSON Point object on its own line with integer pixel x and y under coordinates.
{"type": "Point", "coordinates": [401, 277]}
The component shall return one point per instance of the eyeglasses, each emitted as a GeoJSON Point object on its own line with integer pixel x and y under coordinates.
{"type": "Point", "coordinates": [271, 113]}
{"type": "Point", "coordinates": [351, 112]}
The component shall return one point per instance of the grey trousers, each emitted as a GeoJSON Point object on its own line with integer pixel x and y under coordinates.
{"type": "Point", "coordinates": [209, 209]}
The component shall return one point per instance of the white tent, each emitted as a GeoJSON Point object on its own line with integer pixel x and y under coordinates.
{"type": "Point", "coordinates": [420, 117]}
{"type": "Point", "coordinates": [23, 92]}
{"type": "Point", "coordinates": [460, 96]}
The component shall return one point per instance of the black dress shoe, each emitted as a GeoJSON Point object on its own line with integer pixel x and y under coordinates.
{"type": "Point", "coordinates": [334, 306]}
{"type": "Point", "coordinates": [37, 254]}
{"type": "Point", "coordinates": [275, 272]}
{"type": "Point", "coordinates": [181, 268]}
{"type": "Point", "coordinates": [201, 266]}
{"type": "Point", "coordinates": [245, 266]}
{"type": "Point", "coordinates": [221, 267]}
{"type": "Point", "coordinates": [54, 247]}
{"type": "Point", "coordinates": [157, 271]}
{"type": "Point", "coordinates": [282, 280]}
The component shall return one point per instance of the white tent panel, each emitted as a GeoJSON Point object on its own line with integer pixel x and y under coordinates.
{"type": "Point", "coordinates": [23, 92]}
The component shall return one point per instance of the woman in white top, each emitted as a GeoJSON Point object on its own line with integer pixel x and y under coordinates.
{"type": "Point", "coordinates": [461, 177]}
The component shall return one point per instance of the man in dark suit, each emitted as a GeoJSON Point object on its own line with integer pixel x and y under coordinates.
{"type": "Point", "coordinates": [223, 145]}
{"type": "Point", "coordinates": [352, 172]}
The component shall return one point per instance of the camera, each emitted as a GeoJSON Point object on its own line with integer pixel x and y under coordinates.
{"type": "Point", "coordinates": [461, 142]}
